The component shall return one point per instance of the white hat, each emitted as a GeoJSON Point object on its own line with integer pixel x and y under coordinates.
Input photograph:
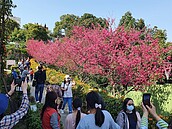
{"type": "Point", "coordinates": [67, 76]}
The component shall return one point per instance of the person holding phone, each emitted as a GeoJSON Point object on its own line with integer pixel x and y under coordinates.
{"type": "Point", "coordinates": [8, 121]}
{"type": "Point", "coordinates": [161, 124]}
{"type": "Point", "coordinates": [128, 118]}
{"type": "Point", "coordinates": [66, 88]}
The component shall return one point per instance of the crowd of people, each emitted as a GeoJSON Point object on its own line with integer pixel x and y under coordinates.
{"type": "Point", "coordinates": [56, 99]}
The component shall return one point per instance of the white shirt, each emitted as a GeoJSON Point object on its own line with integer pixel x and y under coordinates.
{"type": "Point", "coordinates": [68, 88]}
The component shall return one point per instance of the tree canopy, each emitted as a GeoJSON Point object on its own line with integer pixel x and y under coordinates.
{"type": "Point", "coordinates": [31, 31]}
{"type": "Point", "coordinates": [68, 21]}
{"type": "Point", "coordinates": [122, 56]}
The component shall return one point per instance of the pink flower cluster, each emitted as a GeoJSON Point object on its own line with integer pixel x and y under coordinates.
{"type": "Point", "coordinates": [122, 56]}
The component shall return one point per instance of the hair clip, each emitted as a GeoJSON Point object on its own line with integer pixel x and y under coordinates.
{"type": "Point", "coordinates": [98, 105]}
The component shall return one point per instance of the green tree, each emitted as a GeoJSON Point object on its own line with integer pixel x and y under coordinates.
{"type": "Point", "coordinates": [140, 24]}
{"type": "Point", "coordinates": [65, 25]}
{"type": "Point", "coordinates": [36, 31]}
{"type": "Point", "coordinates": [10, 26]}
{"type": "Point", "coordinates": [18, 35]}
{"type": "Point", "coordinates": [67, 22]}
{"type": "Point", "coordinates": [5, 11]}
{"type": "Point", "coordinates": [87, 20]}
{"type": "Point", "coordinates": [159, 34]}
{"type": "Point", "coordinates": [128, 21]}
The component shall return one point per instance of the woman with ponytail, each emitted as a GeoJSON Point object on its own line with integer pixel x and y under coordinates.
{"type": "Point", "coordinates": [98, 117]}
{"type": "Point", "coordinates": [73, 119]}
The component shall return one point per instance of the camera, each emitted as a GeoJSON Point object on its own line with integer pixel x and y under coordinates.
{"type": "Point", "coordinates": [69, 79]}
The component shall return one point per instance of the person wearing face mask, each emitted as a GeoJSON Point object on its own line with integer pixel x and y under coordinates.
{"type": "Point", "coordinates": [66, 88]}
{"type": "Point", "coordinates": [128, 118]}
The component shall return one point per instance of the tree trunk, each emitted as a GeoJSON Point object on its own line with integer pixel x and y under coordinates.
{"type": "Point", "coordinates": [2, 46]}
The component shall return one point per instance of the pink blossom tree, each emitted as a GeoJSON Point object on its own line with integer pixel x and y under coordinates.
{"type": "Point", "coordinates": [122, 56]}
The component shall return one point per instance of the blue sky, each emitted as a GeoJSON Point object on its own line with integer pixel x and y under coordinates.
{"type": "Point", "coordinates": [154, 12]}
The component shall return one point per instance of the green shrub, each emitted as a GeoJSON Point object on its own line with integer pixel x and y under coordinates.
{"type": "Point", "coordinates": [33, 118]}
{"type": "Point", "coordinates": [112, 104]}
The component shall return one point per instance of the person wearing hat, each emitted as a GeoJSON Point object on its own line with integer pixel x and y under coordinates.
{"type": "Point", "coordinates": [8, 121]}
{"type": "Point", "coordinates": [66, 88]}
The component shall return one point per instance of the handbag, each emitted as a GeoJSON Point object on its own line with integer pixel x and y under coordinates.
{"type": "Point", "coordinates": [34, 83]}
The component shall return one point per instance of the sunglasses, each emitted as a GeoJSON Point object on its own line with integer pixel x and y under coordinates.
{"type": "Point", "coordinates": [130, 104]}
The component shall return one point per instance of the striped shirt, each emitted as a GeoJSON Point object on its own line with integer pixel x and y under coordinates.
{"type": "Point", "coordinates": [9, 121]}
{"type": "Point", "coordinates": [161, 124]}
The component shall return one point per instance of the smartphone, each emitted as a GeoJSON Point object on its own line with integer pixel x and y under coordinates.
{"type": "Point", "coordinates": [146, 99]}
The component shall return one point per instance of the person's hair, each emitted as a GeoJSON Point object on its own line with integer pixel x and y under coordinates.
{"type": "Point", "coordinates": [77, 104]}
{"type": "Point", "coordinates": [39, 67]}
{"type": "Point", "coordinates": [92, 99]}
{"type": "Point", "coordinates": [66, 81]}
{"type": "Point", "coordinates": [49, 102]}
{"type": "Point", "coordinates": [124, 107]}
{"type": "Point", "coordinates": [25, 67]}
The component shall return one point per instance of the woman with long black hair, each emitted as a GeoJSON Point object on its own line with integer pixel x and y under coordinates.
{"type": "Point", "coordinates": [73, 119]}
{"type": "Point", "coordinates": [49, 115]}
{"type": "Point", "coordinates": [128, 118]}
{"type": "Point", "coordinates": [98, 118]}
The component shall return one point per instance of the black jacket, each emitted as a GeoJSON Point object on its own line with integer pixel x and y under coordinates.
{"type": "Point", "coordinates": [40, 76]}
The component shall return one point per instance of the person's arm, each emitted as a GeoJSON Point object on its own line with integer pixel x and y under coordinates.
{"type": "Point", "coordinates": [113, 125]}
{"type": "Point", "coordinates": [12, 89]}
{"type": "Point", "coordinates": [63, 87]}
{"type": "Point", "coordinates": [54, 121]}
{"type": "Point", "coordinates": [160, 123]}
{"type": "Point", "coordinates": [120, 120]}
{"type": "Point", "coordinates": [144, 120]}
{"type": "Point", "coordinates": [138, 119]}
{"type": "Point", "coordinates": [45, 76]}
{"type": "Point", "coordinates": [73, 83]}
{"type": "Point", "coordinates": [11, 120]}
{"type": "Point", "coordinates": [35, 76]}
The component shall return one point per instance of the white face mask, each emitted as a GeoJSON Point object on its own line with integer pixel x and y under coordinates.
{"type": "Point", "coordinates": [130, 108]}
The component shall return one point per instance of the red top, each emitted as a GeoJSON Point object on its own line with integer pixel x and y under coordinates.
{"type": "Point", "coordinates": [46, 118]}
